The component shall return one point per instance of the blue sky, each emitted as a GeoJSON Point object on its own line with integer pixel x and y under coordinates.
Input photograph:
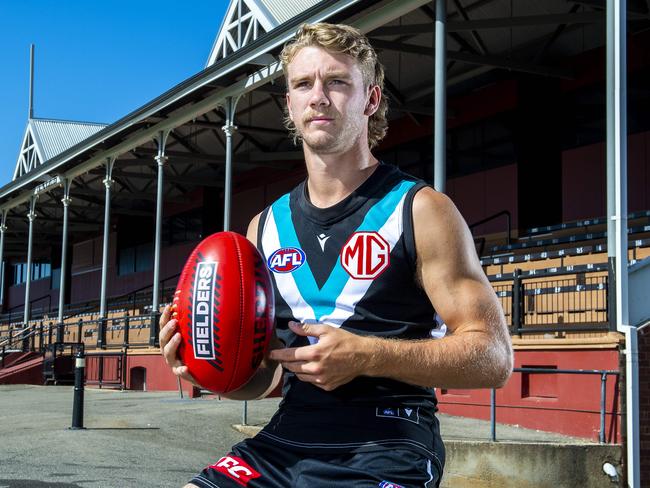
{"type": "Point", "coordinates": [95, 61]}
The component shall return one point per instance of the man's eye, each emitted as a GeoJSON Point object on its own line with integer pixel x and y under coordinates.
{"type": "Point", "coordinates": [301, 84]}
{"type": "Point", "coordinates": [337, 82]}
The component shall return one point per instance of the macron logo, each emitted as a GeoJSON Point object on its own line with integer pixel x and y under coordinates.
{"type": "Point", "coordinates": [322, 239]}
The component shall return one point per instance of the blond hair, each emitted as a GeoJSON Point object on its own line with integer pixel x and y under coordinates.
{"type": "Point", "coordinates": [339, 38]}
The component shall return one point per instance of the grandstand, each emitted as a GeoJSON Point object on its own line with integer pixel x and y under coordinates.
{"type": "Point", "coordinates": [525, 164]}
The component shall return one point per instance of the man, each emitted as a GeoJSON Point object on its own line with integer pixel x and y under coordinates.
{"type": "Point", "coordinates": [379, 254]}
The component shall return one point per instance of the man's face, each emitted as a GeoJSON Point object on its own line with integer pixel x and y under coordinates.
{"type": "Point", "coordinates": [327, 100]}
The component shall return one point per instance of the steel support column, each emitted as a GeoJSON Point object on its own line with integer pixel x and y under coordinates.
{"type": "Point", "coordinates": [64, 258]}
{"type": "Point", "coordinates": [440, 99]}
{"type": "Point", "coordinates": [610, 103]}
{"type": "Point", "coordinates": [161, 159]}
{"type": "Point", "coordinates": [108, 181]}
{"type": "Point", "coordinates": [31, 215]}
{"type": "Point", "coordinates": [229, 129]}
{"type": "Point", "coordinates": [617, 155]}
{"type": "Point", "coordinates": [617, 224]}
{"type": "Point", "coordinates": [3, 229]}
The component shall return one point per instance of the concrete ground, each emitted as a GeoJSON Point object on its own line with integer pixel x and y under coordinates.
{"type": "Point", "coordinates": [137, 439]}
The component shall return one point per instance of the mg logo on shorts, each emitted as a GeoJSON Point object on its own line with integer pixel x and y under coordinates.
{"type": "Point", "coordinates": [286, 260]}
{"type": "Point", "coordinates": [202, 310]}
{"type": "Point", "coordinates": [236, 469]}
{"type": "Point", "coordinates": [366, 255]}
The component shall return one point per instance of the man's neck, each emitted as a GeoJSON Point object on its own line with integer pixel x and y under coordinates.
{"type": "Point", "coordinates": [332, 177]}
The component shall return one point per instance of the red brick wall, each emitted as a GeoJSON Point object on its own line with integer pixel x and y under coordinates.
{"type": "Point", "coordinates": [563, 403]}
{"type": "Point", "coordinates": [644, 401]}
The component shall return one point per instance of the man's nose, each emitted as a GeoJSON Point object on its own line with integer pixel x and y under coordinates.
{"type": "Point", "coordinates": [318, 95]}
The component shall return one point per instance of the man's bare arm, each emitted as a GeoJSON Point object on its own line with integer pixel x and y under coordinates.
{"type": "Point", "coordinates": [476, 353]}
{"type": "Point", "coordinates": [477, 350]}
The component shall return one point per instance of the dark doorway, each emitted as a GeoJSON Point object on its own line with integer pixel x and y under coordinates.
{"type": "Point", "coordinates": [139, 378]}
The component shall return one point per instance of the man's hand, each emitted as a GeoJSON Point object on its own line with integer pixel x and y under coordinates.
{"type": "Point", "coordinates": [336, 359]}
{"type": "Point", "coordinates": [169, 342]}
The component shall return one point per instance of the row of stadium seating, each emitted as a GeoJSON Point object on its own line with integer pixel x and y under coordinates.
{"type": "Point", "coordinates": [529, 233]}
{"type": "Point", "coordinates": [83, 328]}
{"type": "Point", "coordinates": [567, 239]}
{"type": "Point", "coordinates": [81, 324]}
{"type": "Point", "coordinates": [560, 286]}
{"type": "Point", "coordinates": [582, 260]}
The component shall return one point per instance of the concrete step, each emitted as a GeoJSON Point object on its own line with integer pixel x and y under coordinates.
{"type": "Point", "coordinates": [484, 464]}
{"type": "Point", "coordinates": [517, 464]}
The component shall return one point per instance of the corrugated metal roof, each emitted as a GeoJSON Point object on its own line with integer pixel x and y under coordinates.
{"type": "Point", "coordinates": [55, 136]}
{"type": "Point", "coordinates": [283, 10]}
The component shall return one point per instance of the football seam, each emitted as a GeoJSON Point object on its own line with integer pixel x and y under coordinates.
{"type": "Point", "coordinates": [241, 311]}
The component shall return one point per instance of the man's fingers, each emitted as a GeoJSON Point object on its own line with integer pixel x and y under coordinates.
{"type": "Point", "coordinates": [164, 317]}
{"type": "Point", "coordinates": [302, 367]}
{"type": "Point", "coordinates": [290, 354]}
{"type": "Point", "coordinates": [183, 372]}
{"type": "Point", "coordinates": [314, 330]}
{"type": "Point", "coordinates": [169, 350]}
{"type": "Point", "coordinates": [166, 333]}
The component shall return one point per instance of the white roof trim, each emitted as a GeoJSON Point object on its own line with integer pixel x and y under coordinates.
{"type": "Point", "coordinates": [30, 155]}
{"type": "Point", "coordinates": [49, 137]}
{"type": "Point", "coordinates": [239, 29]}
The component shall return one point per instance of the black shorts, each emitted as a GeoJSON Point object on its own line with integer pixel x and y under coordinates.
{"type": "Point", "coordinates": [255, 463]}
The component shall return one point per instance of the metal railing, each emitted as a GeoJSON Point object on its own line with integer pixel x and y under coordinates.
{"type": "Point", "coordinates": [133, 298]}
{"type": "Point", "coordinates": [603, 397]}
{"type": "Point", "coordinates": [97, 364]}
{"type": "Point", "coordinates": [120, 330]}
{"type": "Point", "coordinates": [577, 303]}
{"type": "Point", "coordinates": [37, 313]}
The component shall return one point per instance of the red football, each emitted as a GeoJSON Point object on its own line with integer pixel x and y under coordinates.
{"type": "Point", "coordinates": [225, 311]}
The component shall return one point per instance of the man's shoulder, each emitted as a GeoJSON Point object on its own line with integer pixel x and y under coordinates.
{"type": "Point", "coordinates": [429, 198]}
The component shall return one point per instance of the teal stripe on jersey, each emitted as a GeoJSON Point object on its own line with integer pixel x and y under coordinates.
{"type": "Point", "coordinates": [323, 300]}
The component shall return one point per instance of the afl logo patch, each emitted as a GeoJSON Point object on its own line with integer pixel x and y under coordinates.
{"type": "Point", "coordinates": [286, 260]}
{"type": "Point", "coordinates": [366, 255]}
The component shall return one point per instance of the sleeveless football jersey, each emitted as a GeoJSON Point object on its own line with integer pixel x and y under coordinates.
{"type": "Point", "coordinates": [351, 265]}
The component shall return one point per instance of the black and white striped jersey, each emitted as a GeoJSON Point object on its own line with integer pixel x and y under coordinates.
{"type": "Point", "coordinates": [352, 265]}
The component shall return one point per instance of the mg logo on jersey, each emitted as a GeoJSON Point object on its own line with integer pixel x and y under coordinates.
{"type": "Point", "coordinates": [286, 260]}
{"type": "Point", "coordinates": [236, 469]}
{"type": "Point", "coordinates": [366, 255]}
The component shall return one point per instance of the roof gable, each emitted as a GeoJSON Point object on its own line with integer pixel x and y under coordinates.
{"type": "Point", "coordinates": [30, 155]}
{"type": "Point", "coordinates": [45, 139]}
{"type": "Point", "coordinates": [246, 20]}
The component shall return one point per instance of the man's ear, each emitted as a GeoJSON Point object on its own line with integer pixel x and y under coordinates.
{"type": "Point", "coordinates": [374, 97]}
{"type": "Point", "coordinates": [288, 101]}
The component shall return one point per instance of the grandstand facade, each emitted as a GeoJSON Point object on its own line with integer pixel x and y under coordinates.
{"type": "Point", "coordinates": [99, 220]}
